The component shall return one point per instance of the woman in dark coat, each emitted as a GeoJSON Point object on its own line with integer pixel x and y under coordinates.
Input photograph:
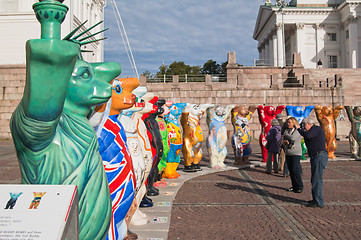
{"type": "Point", "coordinates": [273, 149]}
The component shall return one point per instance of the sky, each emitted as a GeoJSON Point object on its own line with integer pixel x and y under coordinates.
{"type": "Point", "coordinates": [192, 31]}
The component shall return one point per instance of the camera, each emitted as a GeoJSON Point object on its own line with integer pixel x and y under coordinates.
{"type": "Point", "coordinates": [291, 143]}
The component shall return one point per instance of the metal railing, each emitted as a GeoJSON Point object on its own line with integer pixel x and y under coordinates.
{"type": "Point", "coordinates": [192, 78]}
{"type": "Point", "coordinates": [219, 78]}
{"type": "Point", "coordinates": [160, 79]}
{"type": "Point", "coordinates": [186, 78]}
{"type": "Point", "coordinates": [269, 62]}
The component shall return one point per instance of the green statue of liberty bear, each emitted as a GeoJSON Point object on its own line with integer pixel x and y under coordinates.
{"type": "Point", "coordinates": [55, 142]}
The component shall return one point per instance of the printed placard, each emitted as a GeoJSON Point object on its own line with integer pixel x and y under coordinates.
{"type": "Point", "coordinates": [160, 220]}
{"type": "Point", "coordinates": [164, 204]}
{"type": "Point", "coordinates": [169, 193]}
{"type": "Point", "coordinates": [32, 212]}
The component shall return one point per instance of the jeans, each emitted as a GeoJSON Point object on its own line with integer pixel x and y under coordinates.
{"type": "Point", "coordinates": [318, 165]}
{"type": "Point", "coordinates": [269, 162]}
{"type": "Point", "coordinates": [285, 169]}
{"type": "Point", "coordinates": [294, 166]}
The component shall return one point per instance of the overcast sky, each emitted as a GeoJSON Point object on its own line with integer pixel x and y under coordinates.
{"type": "Point", "coordinates": [192, 31]}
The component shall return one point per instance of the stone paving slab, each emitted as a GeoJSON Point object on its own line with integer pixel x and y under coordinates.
{"type": "Point", "coordinates": [157, 230]}
{"type": "Point", "coordinates": [331, 222]}
{"type": "Point", "coordinates": [224, 222]}
{"type": "Point", "coordinates": [215, 191]}
{"type": "Point", "coordinates": [285, 213]}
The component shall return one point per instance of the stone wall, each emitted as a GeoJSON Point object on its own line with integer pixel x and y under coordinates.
{"type": "Point", "coordinates": [12, 82]}
{"type": "Point", "coordinates": [268, 86]}
{"type": "Point", "coordinates": [245, 85]}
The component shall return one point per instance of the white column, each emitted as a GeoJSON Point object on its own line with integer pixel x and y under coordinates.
{"type": "Point", "coordinates": [353, 42]}
{"type": "Point", "coordinates": [274, 42]}
{"type": "Point", "coordinates": [266, 52]}
{"type": "Point", "coordinates": [342, 45]}
{"type": "Point", "coordinates": [271, 50]}
{"type": "Point", "coordinates": [300, 37]}
{"type": "Point", "coordinates": [280, 57]}
{"type": "Point", "coordinates": [320, 45]}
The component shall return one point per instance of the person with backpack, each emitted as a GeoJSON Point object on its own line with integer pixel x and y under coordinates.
{"type": "Point", "coordinates": [272, 146]}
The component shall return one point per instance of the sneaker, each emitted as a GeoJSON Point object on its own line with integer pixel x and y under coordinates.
{"type": "Point", "coordinates": [291, 189]}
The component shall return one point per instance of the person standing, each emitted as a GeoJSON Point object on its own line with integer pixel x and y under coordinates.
{"type": "Point", "coordinates": [274, 135]}
{"type": "Point", "coordinates": [293, 151]}
{"type": "Point", "coordinates": [316, 146]}
{"type": "Point", "coordinates": [282, 157]}
{"type": "Point", "coordinates": [319, 63]}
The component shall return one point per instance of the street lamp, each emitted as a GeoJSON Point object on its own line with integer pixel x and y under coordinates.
{"type": "Point", "coordinates": [281, 4]}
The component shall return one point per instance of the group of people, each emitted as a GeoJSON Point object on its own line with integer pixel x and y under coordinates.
{"type": "Point", "coordinates": [284, 138]}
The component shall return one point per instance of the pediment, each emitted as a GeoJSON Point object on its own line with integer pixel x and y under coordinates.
{"type": "Point", "coordinates": [263, 17]}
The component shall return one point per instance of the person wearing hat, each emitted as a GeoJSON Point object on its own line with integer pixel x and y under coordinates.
{"type": "Point", "coordinates": [273, 137]}
{"type": "Point", "coordinates": [316, 146]}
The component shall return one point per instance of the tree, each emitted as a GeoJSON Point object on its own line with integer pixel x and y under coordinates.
{"type": "Point", "coordinates": [148, 75]}
{"type": "Point", "coordinates": [224, 68]}
{"type": "Point", "coordinates": [179, 68]}
{"type": "Point", "coordinates": [196, 70]}
{"type": "Point", "coordinates": [211, 67]}
{"type": "Point", "coordinates": [163, 69]}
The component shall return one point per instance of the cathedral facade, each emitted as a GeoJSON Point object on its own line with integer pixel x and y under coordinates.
{"type": "Point", "coordinates": [319, 32]}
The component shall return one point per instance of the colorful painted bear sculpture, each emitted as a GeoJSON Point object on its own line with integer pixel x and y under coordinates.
{"type": "Point", "coordinates": [117, 160]}
{"type": "Point", "coordinates": [326, 116]}
{"type": "Point", "coordinates": [354, 115]}
{"type": "Point", "coordinates": [164, 133]}
{"type": "Point", "coordinates": [175, 139]}
{"type": "Point", "coordinates": [298, 113]}
{"type": "Point", "coordinates": [133, 144]}
{"type": "Point", "coordinates": [265, 115]}
{"type": "Point", "coordinates": [136, 112]}
{"type": "Point", "coordinates": [156, 143]}
{"type": "Point", "coordinates": [54, 140]}
{"type": "Point", "coordinates": [217, 139]}
{"type": "Point", "coordinates": [241, 140]}
{"type": "Point", "coordinates": [192, 136]}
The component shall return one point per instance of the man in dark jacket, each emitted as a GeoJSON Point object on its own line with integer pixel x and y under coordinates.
{"type": "Point", "coordinates": [316, 145]}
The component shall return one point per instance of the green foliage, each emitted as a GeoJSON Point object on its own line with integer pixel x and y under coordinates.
{"type": "Point", "coordinates": [196, 70]}
{"type": "Point", "coordinates": [211, 67]}
{"type": "Point", "coordinates": [224, 68]}
{"type": "Point", "coordinates": [148, 75]}
{"type": "Point", "coordinates": [180, 68]}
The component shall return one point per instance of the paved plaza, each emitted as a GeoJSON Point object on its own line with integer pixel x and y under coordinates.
{"type": "Point", "coordinates": [244, 203]}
